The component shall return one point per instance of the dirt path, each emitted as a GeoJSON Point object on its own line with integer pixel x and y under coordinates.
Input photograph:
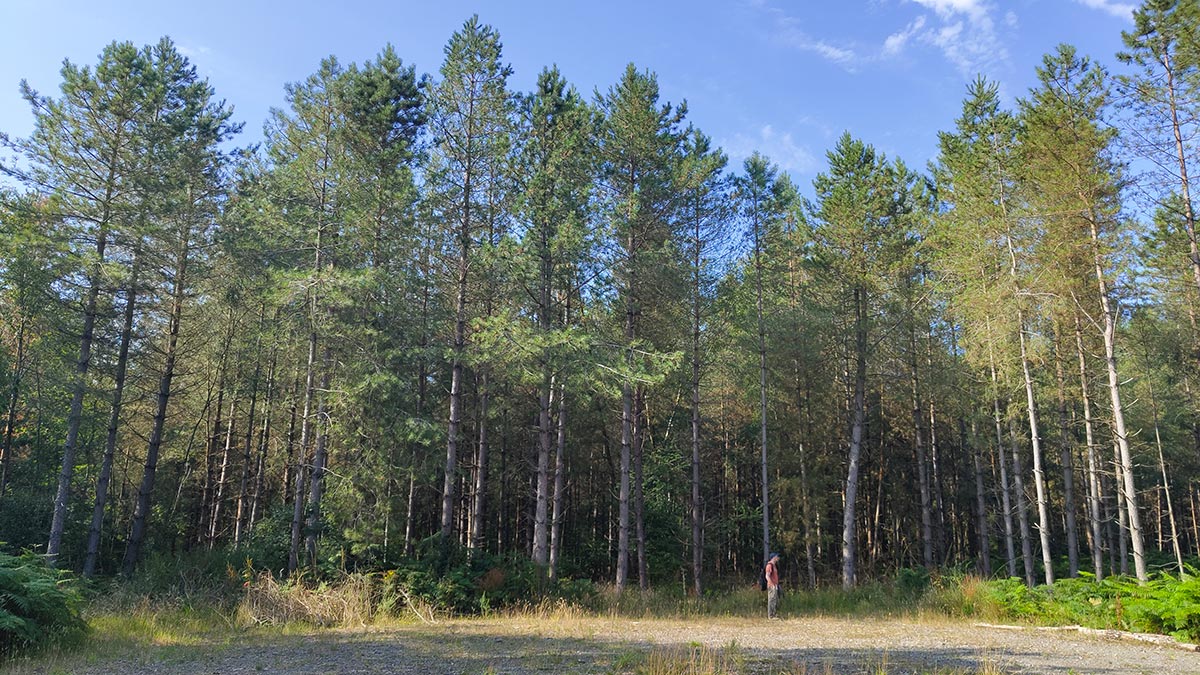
{"type": "Point", "coordinates": [593, 645]}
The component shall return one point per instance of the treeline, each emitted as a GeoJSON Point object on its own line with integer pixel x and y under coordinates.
{"type": "Point", "coordinates": [431, 319]}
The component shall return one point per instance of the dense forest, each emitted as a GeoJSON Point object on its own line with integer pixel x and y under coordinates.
{"type": "Point", "coordinates": [430, 318]}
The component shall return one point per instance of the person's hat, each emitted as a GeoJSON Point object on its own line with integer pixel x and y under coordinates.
{"type": "Point", "coordinates": [773, 556]}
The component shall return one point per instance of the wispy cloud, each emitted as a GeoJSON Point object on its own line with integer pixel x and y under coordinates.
{"type": "Point", "coordinates": [1120, 10]}
{"type": "Point", "coordinates": [192, 52]}
{"type": "Point", "coordinates": [780, 147]}
{"type": "Point", "coordinates": [787, 30]}
{"type": "Point", "coordinates": [964, 31]}
{"type": "Point", "coordinates": [895, 43]}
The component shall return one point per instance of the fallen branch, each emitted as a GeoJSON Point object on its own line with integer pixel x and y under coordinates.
{"type": "Point", "coordinates": [1107, 634]}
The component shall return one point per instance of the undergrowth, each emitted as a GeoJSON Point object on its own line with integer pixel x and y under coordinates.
{"type": "Point", "coordinates": [39, 605]}
{"type": "Point", "coordinates": [1165, 604]}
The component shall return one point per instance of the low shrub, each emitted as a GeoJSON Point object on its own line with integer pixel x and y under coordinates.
{"type": "Point", "coordinates": [39, 605]}
{"type": "Point", "coordinates": [349, 601]}
{"type": "Point", "coordinates": [477, 585]}
{"type": "Point", "coordinates": [1165, 604]}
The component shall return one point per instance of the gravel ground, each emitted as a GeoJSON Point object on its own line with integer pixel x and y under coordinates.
{"type": "Point", "coordinates": [612, 646]}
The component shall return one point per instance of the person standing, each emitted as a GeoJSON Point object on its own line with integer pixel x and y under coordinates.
{"type": "Point", "coordinates": [772, 574]}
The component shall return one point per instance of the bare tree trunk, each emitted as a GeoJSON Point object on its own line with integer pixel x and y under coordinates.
{"type": "Point", "coordinates": [316, 482]}
{"type": "Point", "coordinates": [623, 492]}
{"type": "Point", "coordinates": [985, 540]}
{"type": "Point", "coordinates": [762, 392]}
{"type": "Point", "coordinates": [306, 426]}
{"type": "Point", "coordinates": [849, 533]}
{"type": "Point", "coordinates": [939, 500]}
{"type": "Point", "coordinates": [1066, 453]}
{"type": "Point", "coordinates": [114, 421]}
{"type": "Point", "coordinates": [1189, 216]}
{"type": "Point", "coordinates": [1122, 513]}
{"type": "Point", "coordinates": [806, 508]}
{"type": "Point", "coordinates": [264, 443]}
{"type": "Point", "coordinates": [919, 446]}
{"type": "Point", "coordinates": [1094, 498]}
{"type": "Point", "coordinates": [291, 462]}
{"type": "Point", "coordinates": [79, 388]}
{"type": "Point", "coordinates": [697, 521]}
{"type": "Point", "coordinates": [243, 507]}
{"type": "Point", "coordinates": [1166, 484]}
{"type": "Point", "coordinates": [1022, 507]}
{"type": "Point", "coordinates": [1125, 456]}
{"type": "Point", "coordinates": [639, 495]}
{"type": "Point", "coordinates": [478, 506]}
{"type": "Point", "coordinates": [141, 512]}
{"type": "Point", "coordinates": [1039, 474]}
{"type": "Point", "coordinates": [215, 522]}
{"type": "Point", "coordinates": [560, 472]}
{"type": "Point", "coordinates": [1006, 492]}
{"type": "Point", "coordinates": [546, 401]}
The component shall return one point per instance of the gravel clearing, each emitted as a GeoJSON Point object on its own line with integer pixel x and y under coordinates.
{"type": "Point", "coordinates": [522, 646]}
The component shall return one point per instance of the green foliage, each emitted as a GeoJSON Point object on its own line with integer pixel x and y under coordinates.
{"type": "Point", "coordinates": [1165, 604]}
{"type": "Point", "coordinates": [912, 581]}
{"type": "Point", "coordinates": [39, 605]}
{"type": "Point", "coordinates": [483, 584]}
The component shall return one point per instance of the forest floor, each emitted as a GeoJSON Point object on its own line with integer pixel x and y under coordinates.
{"type": "Point", "coordinates": [522, 645]}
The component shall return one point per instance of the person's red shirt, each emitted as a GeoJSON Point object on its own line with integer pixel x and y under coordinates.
{"type": "Point", "coordinates": [772, 575]}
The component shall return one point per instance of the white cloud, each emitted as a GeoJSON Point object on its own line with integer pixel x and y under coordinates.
{"type": "Point", "coordinates": [947, 9]}
{"type": "Point", "coordinates": [1120, 10]}
{"type": "Point", "coordinates": [895, 43]}
{"type": "Point", "coordinates": [786, 30]}
{"type": "Point", "coordinates": [780, 147]}
{"type": "Point", "coordinates": [963, 30]}
{"type": "Point", "coordinates": [965, 33]}
{"type": "Point", "coordinates": [192, 52]}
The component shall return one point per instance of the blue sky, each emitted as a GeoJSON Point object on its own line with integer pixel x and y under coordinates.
{"type": "Point", "coordinates": [783, 77]}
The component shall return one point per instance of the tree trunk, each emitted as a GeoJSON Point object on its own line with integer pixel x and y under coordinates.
{"type": "Point", "coordinates": [478, 506]}
{"type": "Point", "coordinates": [541, 555]}
{"type": "Point", "coordinates": [1189, 216]}
{"type": "Point", "coordinates": [79, 387]}
{"type": "Point", "coordinates": [1022, 506]}
{"type": "Point", "coordinates": [141, 511]}
{"type": "Point", "coordinates": [1006, 492]}
{"type": "Point", "coordinates": [1067, 451]}
{"type": "Point", "coordinates": [762, 391]}
{"type": "Point", "coordinates": [639, 495]}
{"type": "Point", "coordinates": [316, 482]}
{"type": "Point", "coordinates": [215, 523]}
{"type": "Point", "coordinates": [849, 534]}
{"type": "Point", "coordinates": [243, 507]}
{"type": "Point", "coordinates": [1094, 498]}
{"type": "Point", "coordinates": [919, 446]}
{"type": "Point", "coordinates": [623, 492]}
{"type": "Point", "coordinates": [560, 472]}
{"type": "Point", "coordinates": [114, 421]}
{"type": "Point", "coordinates": [264, 443]}
{"type": "Point", "coordinates": [1039, 474]}
{"type": "Point", "coordinates": [306, 426]}
{"type": "Point", "coordinates": [1114, 389]}
{"type": "Point", "coordinates": [985, 540]}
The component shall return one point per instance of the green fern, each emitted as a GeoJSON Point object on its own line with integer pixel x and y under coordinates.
{"type": "Point", "coordinates": [39, 605]}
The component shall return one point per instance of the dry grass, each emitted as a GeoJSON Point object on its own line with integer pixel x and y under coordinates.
{"type": "Point", "coordinates": [694, 660]}
{"type": "Point", "coordinates": [351, 602]}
